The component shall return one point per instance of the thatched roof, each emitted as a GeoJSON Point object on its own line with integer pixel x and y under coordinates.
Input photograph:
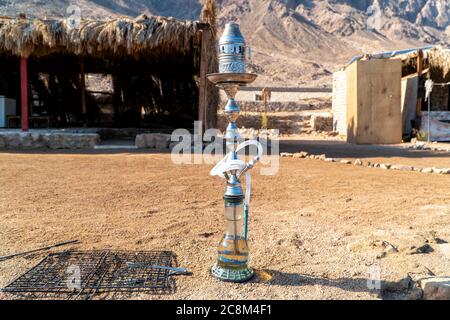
{"type": "Point", "coordinates": [439, 59]}
{"type": "Point", "coordinates": [145, 35]}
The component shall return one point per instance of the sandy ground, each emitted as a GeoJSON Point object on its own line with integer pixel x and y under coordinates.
{"type": "Point", "coordinates": [315, 227]}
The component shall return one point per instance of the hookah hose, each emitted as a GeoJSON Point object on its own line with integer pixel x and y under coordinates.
{"type": "Point", "coordinates": [226, 165]}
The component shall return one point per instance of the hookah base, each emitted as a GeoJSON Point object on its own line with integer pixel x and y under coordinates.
{"type": "Point", "coordinates": [232, 275]}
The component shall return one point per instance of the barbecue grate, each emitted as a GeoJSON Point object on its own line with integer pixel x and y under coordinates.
{"type": "Point", "coordinates": [82, 274]}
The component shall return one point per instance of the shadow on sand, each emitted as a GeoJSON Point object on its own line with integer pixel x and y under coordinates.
{"type": "Point", "coordinates": [278, 278]}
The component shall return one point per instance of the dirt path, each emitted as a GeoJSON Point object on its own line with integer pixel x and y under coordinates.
{"type": "Point", "coordinates": [314, 227]}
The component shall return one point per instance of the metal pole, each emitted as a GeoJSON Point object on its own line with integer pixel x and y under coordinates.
{"type": "Point", "coordinates": [429, 119]}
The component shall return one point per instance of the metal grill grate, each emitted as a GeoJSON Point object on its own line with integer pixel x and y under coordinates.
{"type": "Point", "coordinates": [80, 275]}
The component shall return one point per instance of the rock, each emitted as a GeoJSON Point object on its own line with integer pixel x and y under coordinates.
{"type": "Point", "coordinates": [54, 141]}
{"type": "Point", "coordinates": [153, 141]}
{"type": "Point", "coordinates": [402, 168]}
{"type": "Point", "coordinates": [322, 157]}
{"type": "Point", "coordinates": [424, 249]}
{"type": "Point", "coordinates": [300, 155]}
{"type": "Point", "coordinates": [140, 141]}
{"type": "Point", "coordinates": [162, 141]}
{"type": "Point", "coordinates": [385, 166]}
{"type": "Point", "coordinates": [149, 140]}
{"type": "Point", "coordinates": [389, 248]}
{"type": "Point", "coordinates": [436, 288]}
{"type": "Point", "coordinates": [329, 160]}
{"type": "Point", "coordinates": [282, 155]}
{"type": "Point", "coordinates": [12, 140]}
{"type": "Point", "coordinates": [441, 171]}
{"type": "Point", "coordinates": [427, 170]}
{"type": "Point", "coordinates": [358, 162]}
{"type": "Point", "coordinates": [38, 141]}
{"type": "Point", "coordinates": [439, 241]}
{"type": "Point", "coordinates": [346, 162]}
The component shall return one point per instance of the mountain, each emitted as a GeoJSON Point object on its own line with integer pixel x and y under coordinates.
{"type": "Point", "coordinates": [294, 42]}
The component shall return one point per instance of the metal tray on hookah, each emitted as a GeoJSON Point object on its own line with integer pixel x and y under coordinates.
{"type": "Point", "coordinates": [234, 78]}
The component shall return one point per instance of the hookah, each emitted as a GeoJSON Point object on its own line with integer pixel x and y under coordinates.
{"type": "Point", "coordinates": [233, 251]}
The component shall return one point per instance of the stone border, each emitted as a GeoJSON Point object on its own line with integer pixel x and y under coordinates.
{"type": "Point", "coordinates": [367, 164]}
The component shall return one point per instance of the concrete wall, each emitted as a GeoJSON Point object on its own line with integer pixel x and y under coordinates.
{"type": "Point", "coordinates": [339, 102]}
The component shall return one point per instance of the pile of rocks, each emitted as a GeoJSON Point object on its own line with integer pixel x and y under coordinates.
{"type": "Point", "coordinates": [368, 164]}
{"type": "Point", "coordinates": [48, 140]}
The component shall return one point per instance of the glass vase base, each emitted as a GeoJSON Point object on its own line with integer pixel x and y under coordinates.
{"type": "Point", "coordinates": [232, 275]}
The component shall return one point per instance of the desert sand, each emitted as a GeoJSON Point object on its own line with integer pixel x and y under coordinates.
{"type": "Point", "coordinates": [316, 228]}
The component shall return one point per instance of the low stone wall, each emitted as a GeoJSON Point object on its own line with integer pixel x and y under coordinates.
{"type": "Point", "coordinates": [119, 133]}
{"type": "Point", "coordinates": [47, 140]}
{"type": "Point", "coordinates": [256, 106]}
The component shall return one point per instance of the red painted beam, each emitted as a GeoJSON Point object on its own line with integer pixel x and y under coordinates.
{"type": "Point", "coordinates": [24, 93]}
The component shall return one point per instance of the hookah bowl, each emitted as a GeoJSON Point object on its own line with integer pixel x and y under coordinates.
{"type": "Point", "coordinates": [233, 251]}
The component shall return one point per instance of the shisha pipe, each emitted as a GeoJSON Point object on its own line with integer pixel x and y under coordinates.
{"type": "Point", "coordinates": [233, 252]}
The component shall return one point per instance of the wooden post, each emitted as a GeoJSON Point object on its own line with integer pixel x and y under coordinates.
{"type": "Point", "coordinates": [117, 97]}
{"type": "Point", "coordinates": [202, 105]}
{"type": "Point", "coordinates": [83, 92]}
{"type": "Point", "coordinates": [24, 93]}
{"type": "Point", "coordinates": [419, 62]}
{"type": "Point", "coordinates": [208, 92]}
{"type": "Point", "coordinates": [419, 75]}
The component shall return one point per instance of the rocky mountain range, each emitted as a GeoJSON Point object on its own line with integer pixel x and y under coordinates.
{"type": "Point", "coordinates": [295, 42]}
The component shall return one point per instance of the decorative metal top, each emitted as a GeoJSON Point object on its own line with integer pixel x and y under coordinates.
{"type": "Point", "coordinates": [232, 50]}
